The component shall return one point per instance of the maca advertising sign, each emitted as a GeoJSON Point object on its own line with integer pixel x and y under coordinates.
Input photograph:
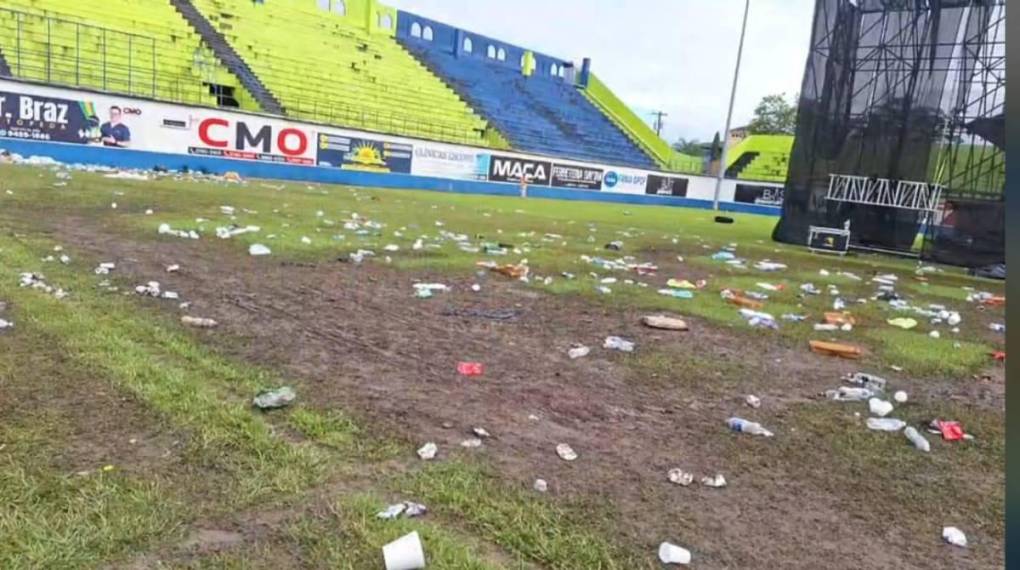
{"type": "Point", "coordinates": [251, 140]}
{"type": "Point", "coordinates": [568, 176]}
{"type": "Point", "coordinates": [511, 169]}
{"type": "Point", "coordinates": [38, 118]}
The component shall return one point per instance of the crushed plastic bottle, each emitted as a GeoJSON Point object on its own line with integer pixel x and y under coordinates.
{"type": "Point", "coordinates": [879, 408]}
{"type": "Point", "coordinates": [849, 394]}
{"type": "Point", "coordinates": [886, 424]}
{"type": "Point", "coordinates": [272, 399]}
{"type": "Point", "coordinates": [917, 439]}
{"type": "Point", "coordinates": [749, 427]}
{"type": "Point", "coordinates": [617, 343]}
{"type": "Point", "coordinates": [954, 536]}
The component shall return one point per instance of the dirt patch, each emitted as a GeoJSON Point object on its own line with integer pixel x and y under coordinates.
{"type": "Point", "coordinates": [354, 337]}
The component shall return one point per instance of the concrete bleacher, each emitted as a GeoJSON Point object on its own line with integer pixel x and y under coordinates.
{"type": "Point", "coordinates": [542, 112]}
{"type": "Point", "coordinates": [760, 157]}
{"type": "Point", "coordinates": [331, 67]}
{"type": "Point", "coordinates": [135, 47]}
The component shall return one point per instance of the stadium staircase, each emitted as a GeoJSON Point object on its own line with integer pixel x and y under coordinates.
{"type": "Point", "coordinates": [228, 57]}
{"type": "Point", "coordinates": [613, 107]}
{"type": "Point", "coordinates": [332, 68]}
{"type": "Point", "coordinates": [540, 113]}
{"type": "Point", "coordinates": [135, 47]}
{"type": "Point", "coordinates": [763, 158]}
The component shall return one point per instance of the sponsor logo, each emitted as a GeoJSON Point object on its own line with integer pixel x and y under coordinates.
{"type": "Point", "coordinates": [444, 155]}
{"type": "Point", "coordinates": [219, 133]}
{"type": "Point", "coordinates": [507, 169]}
{"type": "Point", "coordinates": [666, 186]}
{"type": "Point", "coordinates": [131, 110]}
{"type": "Point", "coordinates": [29, 109]}
{"type": "Point", "coordinates": [568, 176]}
{"type": "Point", "coordinates": [611, 179]}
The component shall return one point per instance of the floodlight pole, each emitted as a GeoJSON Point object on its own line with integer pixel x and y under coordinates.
{"type": "Point", "coordinates": [729, 115]}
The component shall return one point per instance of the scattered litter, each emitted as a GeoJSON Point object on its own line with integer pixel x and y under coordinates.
{"type": "Point", "coordinates": [848, 394]}
{"type": "Point", "coordinates": [950, 431]}
{"type": "Point", "coordinates": [470, 368]}
{"type": "Point", "coordinates": [886, 424]}
{"type": "Point", "coordinates": [540, 485]}
{"type": "Point", "coordinates": [673, 554]}
{"type": "Point", "coordinates": [904, 323]}
{"type": "Point", "coordinates": [724, 256]}
{"type": "Point", "coordinates": [426, 290]}
{"type": "Point", "coordinates": [405, 553]}
{"type": "Point", "coordinates": [869, 381]}
{"type": "Point", "coordinates": [471, 443]}
{"type": "Point", "coordinates": [664, 323]}
{"type": "Point", "coordinates": [954, 536]}
{"type": "Point", "coordinates": [997, 327]}
{"type": "Point", "coordinates": [900, 397]}
{"type": "Point", "coordinates": [4, 325]}
{"type": "Point", "coordinates": [165, 229]}
{"type": "Point", "coordinates": [407, 509]}
{"type": "Point", "coordinates": [753, 401]}
{"type": "Point", "coordinates": [935, 334]}
{"type": "Point", "coordinates": [518, 271]}
{"type": "Point", "coordinates": [758, 319]}
{"type": "Point", "coordinates": [173, 268]}
{"type": "Point", "coordinates": [428, 451]}
{"type": "Point", "coordinates": [879, 408]}
{"type": "Point", "coordinates": [272, 399]}
{"type": "Point", "coordinates": [490, 314]}
{"type": "Point", "coordinates": [481, 432]}
{"type": "Point", "coordinates": [769, 286]}
{"type": "Point", "coordinates": [680, 477]}
{"type": "Point", "coordinates": [917, 439]}
{"type": "Point", "coordinates": [715, 482]}
{"type": "Point", "coordinates": [198, 322]}
{"type": "Point", "coordinates": [794, 318]}
{"type": "Point", "coordinates": [810, 289]}
{"type": "Point", "coordinates": [565, 452]}
{"type": "Point", "coordinates": [105, 268]}
{"type": "Point", "coordinates": [685, 284]}
{"type": "Point", "coordinates": [749, 427]}
{"type": "Point", "coordinates": [578, 351]}
{"type": "Point", "coordinates": [257, 249]}
{"type": "Point", "coordinates": [614, 246]}
{"type": "Point", "coordinates": [769, 266]}
{"type": "Point", "coordinates": [233, 231]}
{"type": "Point", "coordinates": [736, 298]}
{"type": "Point", "coordinates": [677, 293]}
{"type": "Point", "coordinates": [151, 289]}
{"type": "Point", "coordinates": [617, 343]}
{"type": "Point", "coordinates": [835, 349]}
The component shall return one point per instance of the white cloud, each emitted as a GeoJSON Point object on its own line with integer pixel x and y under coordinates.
{"type": "Point", "coordinates": [671, 55]}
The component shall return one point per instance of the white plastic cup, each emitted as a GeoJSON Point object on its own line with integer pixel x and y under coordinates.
{"type": "Point", "coordinates": [673, 554]}
{"type": "Point", "coordinates": [404, 553]}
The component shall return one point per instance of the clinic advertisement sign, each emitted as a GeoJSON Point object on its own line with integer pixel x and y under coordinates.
{"type": "Point", "coordinates": [449, 162]}
{"type": "Point", "coordinates": [572, 176]}
{"type": "Point", "coordinates": [514, 169]}
{"type": "Point", "coordinates": [52, 119]}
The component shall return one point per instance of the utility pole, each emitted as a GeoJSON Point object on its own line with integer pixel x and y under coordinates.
{"type": "Point", "coordinates": [659, 115]}
{"type": "Point", "coordinates": [729, 115]}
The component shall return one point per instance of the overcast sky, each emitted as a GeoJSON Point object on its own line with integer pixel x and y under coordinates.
{"type": "Point", "coordinates": [673, 55]}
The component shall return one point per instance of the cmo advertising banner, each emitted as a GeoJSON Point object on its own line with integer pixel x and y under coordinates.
{"type": "Point", "coordinates": [249, 139]}
{"type": "Point", "coordinates": [514, 169]}
{"type": "Point", "coordinates": [666, 186]}
{"type": "Point", "coordinates": [569, 176]}
{"type": "Point", "coordinates": [354, 153]}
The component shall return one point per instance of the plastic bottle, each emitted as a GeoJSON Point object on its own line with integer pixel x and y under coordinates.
{"type": "Point", "coordinates": [917, 439]}
{"type": "Point", "coordinates": [745, 426]}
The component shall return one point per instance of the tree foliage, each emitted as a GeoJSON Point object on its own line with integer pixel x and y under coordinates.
{"type": "Point", "coordinates": [774, 116]}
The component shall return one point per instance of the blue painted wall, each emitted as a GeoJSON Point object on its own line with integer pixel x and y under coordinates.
{"type": "Point", "coordinates": [136, 159]}
{"type": "Point", "coordinates": [451, 40]}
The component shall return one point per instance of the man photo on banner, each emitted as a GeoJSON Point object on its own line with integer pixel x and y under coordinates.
{"type": "Point", "coordinates": [115, 133]}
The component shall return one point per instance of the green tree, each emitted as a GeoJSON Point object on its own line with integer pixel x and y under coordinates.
{"type": "Point", "coordinates": [691, 147]}
{"type": "Point", "coordinates": [774, 116]}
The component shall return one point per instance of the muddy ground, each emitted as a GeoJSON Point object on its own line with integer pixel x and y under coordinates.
{"type": "Point", "coordinates": [352, 337]}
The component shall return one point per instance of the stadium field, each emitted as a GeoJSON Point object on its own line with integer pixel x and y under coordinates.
{"type": "Point", "coordinates": [129, 440]}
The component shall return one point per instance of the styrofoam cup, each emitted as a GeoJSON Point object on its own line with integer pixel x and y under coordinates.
{"type": "Point", "coordinates": [673, 554]}
{"type": "Point", "coordinates": [404, 553]}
